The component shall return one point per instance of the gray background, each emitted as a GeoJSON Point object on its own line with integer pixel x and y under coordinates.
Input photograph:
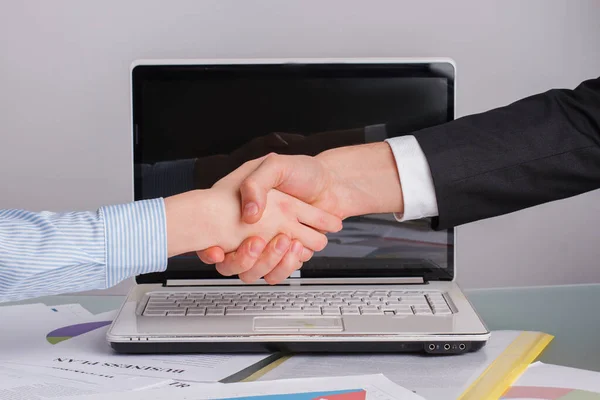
{"type": "Point", "coordinates": [64, 98]}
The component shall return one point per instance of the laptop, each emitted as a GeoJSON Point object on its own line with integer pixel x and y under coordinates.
{"type": "Point", "coordinates": [378, 286]}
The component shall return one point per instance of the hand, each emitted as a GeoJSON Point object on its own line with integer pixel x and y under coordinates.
{"type": "Point", "coordinates": [203, 218]}
{"type": "Point", "coordinates": [331, 181]}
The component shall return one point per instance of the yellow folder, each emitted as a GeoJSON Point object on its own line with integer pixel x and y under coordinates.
{"type": "Point", "coordinates": [506, 369]}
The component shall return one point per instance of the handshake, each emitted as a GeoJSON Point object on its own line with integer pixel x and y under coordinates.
{"type": "Point", "coordinates": [270, 215]}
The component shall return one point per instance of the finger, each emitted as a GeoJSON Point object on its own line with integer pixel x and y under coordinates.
{"type": "Point", "coordinates": [273, 254]}
{"type": "Point", "coordinates": [254, 188]}
{"type": "Point", "coordinates": [243, 258]}
{"type": "Point", "coordinates": [310, 238]}
{"type": "Point", "coordinates": [298, 176]}
{"type": "Point", "coordinates": [290, 263]}
{"type": "Point", "coordinates": [212, 255]}
{"type": "Point", "coordinates": [306, 255]}
{"type": "Point", "coordinates": [317, 218]}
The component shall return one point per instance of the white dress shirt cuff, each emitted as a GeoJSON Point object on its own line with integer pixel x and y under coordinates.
{"type": "Point", "coordinates": [418, 191]}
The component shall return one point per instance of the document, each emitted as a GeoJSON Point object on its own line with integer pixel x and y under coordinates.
{"type": "Point", "coordinates": [86, 349]}
{"type": "Point", "coordinates": [25, 328]}
{"type": "Point", "coordinates": [434, 378]}
{"type": "Point", "coordinates": [547, 381]}
{"type": "Point", "coordinates": [374, 387]}
{"type": "Point", "coordinates": [74, 310]}
{"type": "Point", "coordinates": [111, 381]}
{"type": "Point", "coordinates": [33, 385]}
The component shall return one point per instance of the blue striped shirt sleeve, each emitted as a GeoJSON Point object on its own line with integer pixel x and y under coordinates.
{"type": "Point", "coordinates": [52, 253]}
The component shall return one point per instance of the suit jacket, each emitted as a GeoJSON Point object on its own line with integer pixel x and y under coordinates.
{"type": "Point", "coordinates": [539, 149]}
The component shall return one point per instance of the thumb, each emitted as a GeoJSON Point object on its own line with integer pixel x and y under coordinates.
{"type": "Point", "coordinates": [254, 189]}
{"type": "Point", "coordinates": [212, 255]}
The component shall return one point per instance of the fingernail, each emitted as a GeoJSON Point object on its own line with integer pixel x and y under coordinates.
{"type": "Point", "coordinates": [283, 243]}
{"type": "Point", "coordinates": [297, 248]}
{"type": "Point", "coordinates": [256, 248]}
{"type": "Point", "coordinates": [251, 209]}
{"type": "Point", "coordinates": [305, 253]}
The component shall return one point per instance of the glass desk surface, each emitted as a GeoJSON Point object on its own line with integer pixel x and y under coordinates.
{"type": "Point", "coordinates": [570, 313]}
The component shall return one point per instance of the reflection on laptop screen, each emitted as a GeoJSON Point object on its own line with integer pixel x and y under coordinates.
{"type": "Point", "coordinates": [195, 124]}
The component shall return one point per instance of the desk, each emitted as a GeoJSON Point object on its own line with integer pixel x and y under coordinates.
{"type": "Point", "coordinates": [570, 313]}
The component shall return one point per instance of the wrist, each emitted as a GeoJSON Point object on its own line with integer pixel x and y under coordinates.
{"type": "Point", "coordinates": [365, 177]}
{"type": "Point", "coordinates": [188, 216]}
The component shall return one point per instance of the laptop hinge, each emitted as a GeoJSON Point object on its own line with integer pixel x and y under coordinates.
{"type": "Point", "coordinates": [298, 282]}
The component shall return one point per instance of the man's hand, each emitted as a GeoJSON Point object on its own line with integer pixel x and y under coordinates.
{"type": "Point", "coordinates": [345, 182]}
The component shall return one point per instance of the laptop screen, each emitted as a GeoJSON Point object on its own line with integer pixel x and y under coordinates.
{"type": "Point", "coordinates": [193, 124]}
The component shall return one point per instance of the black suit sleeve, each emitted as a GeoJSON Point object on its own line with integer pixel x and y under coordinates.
{"type": "Point", "coordinates": [539, 149]}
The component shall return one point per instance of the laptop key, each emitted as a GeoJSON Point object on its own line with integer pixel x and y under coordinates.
{"type": "Point", "coordinates": [372, 312]}
{"type": "Point", "coordinates": [273, 308]}
{"type": "Point", "coordinates": [196, 311]}
{"type": "Point", "coordinates": [215, 311]}
{"type": "Point", "coordinates": [404, 311]}
{"type": "Point", "coordinates": [162, 304]}
{"type": "Point", "coordinates": [331, 311]}
{"type": "Point", "coordinates": [176, 313]}
{"type": "Point", "coordinates": [155, 313]}
{"type": "Point", "coordinates": [162, 308]}
{"type": "Point", "coordinates": [393, 302]}
{"type": "Point", "coordinates": [379, 293]}
{"type": "Point", "coordinates": [234, 309]}
{"type": "Point", "coordinates": [292, 308]}
{"type": "Point", "coordinates": [312, 310]}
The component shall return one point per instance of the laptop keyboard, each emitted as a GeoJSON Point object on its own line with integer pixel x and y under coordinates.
{"type": "Point", "coordinates": [353, 302]}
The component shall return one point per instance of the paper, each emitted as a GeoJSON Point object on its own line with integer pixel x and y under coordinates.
{"type": "Point", "coordinates": [111, 381]}
{"type": "Point", "coordinates": [25, 327]}
{"type": "Point", "coordinates": [86, 350]}
{"type": "Point", "coordinates": [75, 310]}
{"type": "Point", "coordinates": [33, 384]}
{"type": "Point", "coordinates": [432, 377]}
{"type": "Point", "coordinates": [375, 387]}
{"type": "Point", "coordinates": [553, 382]}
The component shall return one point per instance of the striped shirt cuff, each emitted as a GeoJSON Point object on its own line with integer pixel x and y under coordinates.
{"type": "Point", "coordinates": [136, 239]}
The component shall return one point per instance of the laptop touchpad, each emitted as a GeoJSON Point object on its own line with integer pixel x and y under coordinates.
{"type": "Point", "coordinates": [298, 324]}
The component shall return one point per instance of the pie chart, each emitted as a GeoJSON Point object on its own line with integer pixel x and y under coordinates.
{"type": "Point", "coordinates": [68, 332]}
{"type": "Point", "coordinates": [548, 393]}
{"type": "Point", "coordinates": [351, 394]}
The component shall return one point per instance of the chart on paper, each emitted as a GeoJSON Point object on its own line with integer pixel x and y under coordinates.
{"type": "Point", "coordinates": [351, 394]}
{"type": "Point", "coordinates": [71, 331]}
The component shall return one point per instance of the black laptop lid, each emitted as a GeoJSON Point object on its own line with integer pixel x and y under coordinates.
{"type": "Point", "coordinates": [193, 124]}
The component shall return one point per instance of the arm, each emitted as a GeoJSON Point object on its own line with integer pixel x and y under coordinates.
{"type": "Point", "coordinates": [52, 253]}
{"type": "Point", "coordinates": [542, 148]}
{"type": "Point", "coordinates": [539, 149]}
